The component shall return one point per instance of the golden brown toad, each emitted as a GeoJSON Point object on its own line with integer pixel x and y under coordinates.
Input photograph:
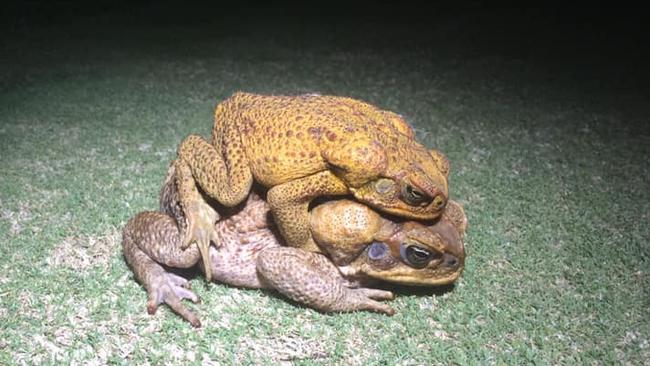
{"type": "Point", "coordinates": [303, 147]}
{"type": "Point", "coordinates": [362, 246]}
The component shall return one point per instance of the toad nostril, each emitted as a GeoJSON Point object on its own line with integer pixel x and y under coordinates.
{"type": "Point", "coordinates": [439, 201]}
{"type": "Point", "coordinates": [451, 261]}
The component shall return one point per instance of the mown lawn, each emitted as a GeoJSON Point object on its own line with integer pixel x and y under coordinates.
{"type": "Point", "coordinates": [552, 169]}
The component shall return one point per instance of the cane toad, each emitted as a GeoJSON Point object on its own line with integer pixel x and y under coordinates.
{"type": "Point", "coordinates": [303, 147]}
{"type": "Point", "coordinates": [360, 244]}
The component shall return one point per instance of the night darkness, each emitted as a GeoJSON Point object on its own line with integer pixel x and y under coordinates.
{"type": "Point", "coordinates": [543, 111]}
{"type": "Point", "coordinates": [608, 43]}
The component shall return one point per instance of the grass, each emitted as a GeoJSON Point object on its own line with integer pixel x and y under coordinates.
{"type": "Point", "coordinates": [552, 169]}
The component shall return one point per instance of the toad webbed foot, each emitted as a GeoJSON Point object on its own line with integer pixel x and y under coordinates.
{"type": "Point", "coordinates": [170, 289]}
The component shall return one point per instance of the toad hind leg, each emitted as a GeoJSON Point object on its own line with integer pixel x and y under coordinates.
{"type": "Point", "coordinates": [222, 174]}
{"type": "Point", "coordinates": [200, 216]}
{"type": "Point", "coordinates": [311, 279]}
{"type": "Point", "coordinates": [152, 238]}
{"type": "Point", "coordinates": [290, 202]}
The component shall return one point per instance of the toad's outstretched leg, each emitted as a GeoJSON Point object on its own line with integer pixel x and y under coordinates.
{"type": "Point", "coordinates": [311, 279]}
{"type": "Point", "coordinates": [149, 240]}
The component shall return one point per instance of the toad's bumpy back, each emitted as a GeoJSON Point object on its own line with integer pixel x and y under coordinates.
{"type": "Point", "coordinates": [303, 147]}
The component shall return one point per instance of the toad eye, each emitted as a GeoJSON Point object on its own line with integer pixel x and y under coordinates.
{"type": "Point", "coordinates": [416, 256]}
{"type": "Point", "coordinates": [412, 196]}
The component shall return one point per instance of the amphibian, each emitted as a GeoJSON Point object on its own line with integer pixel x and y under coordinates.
{"type": "Point", "coordinates": [360, 244]}
{"type": "Point", "coordinates": [303, 147]}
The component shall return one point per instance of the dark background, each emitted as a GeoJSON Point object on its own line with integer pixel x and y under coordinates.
{"type": "Point", "coordinates": [603, 46]}
{"type": "Point", "coordinates": [594, 54]}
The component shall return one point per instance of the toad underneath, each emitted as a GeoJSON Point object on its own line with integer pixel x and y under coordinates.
{"type": "Point", "coordinates": [304, 147]}
{"type": "Point", "coordinates": [358, 246]}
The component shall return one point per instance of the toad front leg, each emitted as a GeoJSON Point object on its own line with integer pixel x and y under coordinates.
{"type": "Point", "coordinates": [311, 279]}
{"type": "Point", "coordinates": [290, 202]}
{"type": "Point", "coordinates": [224, 177]}
{"type": "Point", "coordinates": [149, 240]}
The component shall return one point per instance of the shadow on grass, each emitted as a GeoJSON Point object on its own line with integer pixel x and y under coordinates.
{"type": "Point", "coordinates": [402, 290]}
{"type": "Point", "coordinates": [398, 290]}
